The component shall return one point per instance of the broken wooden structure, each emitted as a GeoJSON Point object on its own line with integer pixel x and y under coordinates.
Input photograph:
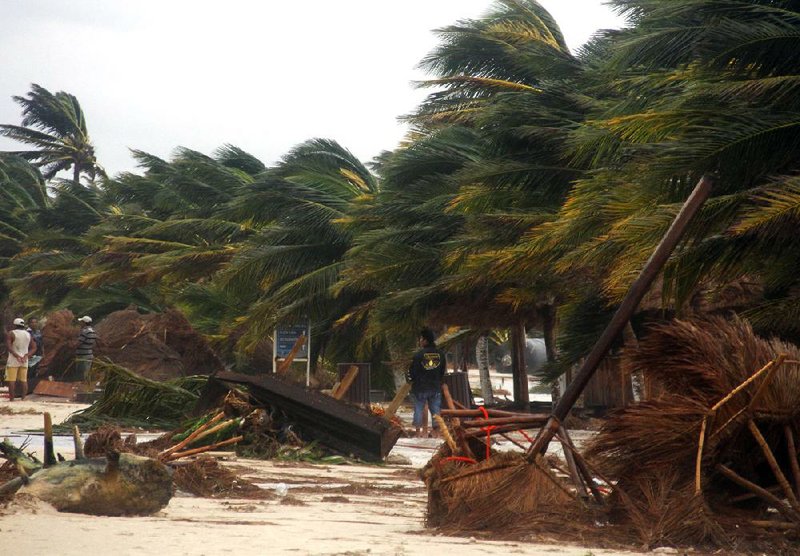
{"type": "Point", "coordinates": [342, 427]}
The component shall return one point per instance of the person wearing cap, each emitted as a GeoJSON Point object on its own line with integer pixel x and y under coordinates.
{"type": "Point", "coordinates": [425, 374]}
{"type": "Point", "coordinates": [20, 347]}
{"type": "Point", "coordinates": [84, 353]}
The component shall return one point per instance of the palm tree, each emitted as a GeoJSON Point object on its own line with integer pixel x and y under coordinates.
{"type": "Point", "coordinates": [55, 125]}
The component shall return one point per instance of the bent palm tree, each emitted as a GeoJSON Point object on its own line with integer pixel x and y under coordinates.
{"type": "Point", "coordinates": [55, 125]}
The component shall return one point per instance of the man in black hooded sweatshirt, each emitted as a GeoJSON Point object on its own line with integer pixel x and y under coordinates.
{"type": "Point", "coordinates": [425, 374]}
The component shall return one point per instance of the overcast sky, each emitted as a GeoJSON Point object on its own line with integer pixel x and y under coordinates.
{"type": "Point", "coordinates": [262, 75]}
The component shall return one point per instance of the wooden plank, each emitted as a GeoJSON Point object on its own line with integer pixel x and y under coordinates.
{"type": "Point", "coordinates": [346, 428]}
{"type": "Point", "coordinates": [56, 389]}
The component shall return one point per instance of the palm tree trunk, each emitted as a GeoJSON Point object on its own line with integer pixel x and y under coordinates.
{"type": "Point", "coordinates": [76, 173]}
{"type": "Point", "coordinates": [518, 339]}
{"type": "Point", "coordinates": [482, 355]}
{"type": "Point", "coordinates": [549, 328]}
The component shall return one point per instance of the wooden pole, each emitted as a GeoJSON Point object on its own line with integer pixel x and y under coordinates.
{"type": "Point", "coordinates": [284, 366]}
{"type": "Point", "coordinates": [580, 486]}
{"type": "Point", "coordinates": [527, 419]}
{"type": "Point", "coordinates": [49, 454]}
{"type": "Point", "coordinates": [201, 449]}
{"type": "Point", "coordinates": [189, 439]}
{"type": "Point", "coordinates": [792, 449]}
{"type": "Point", "coordinates": [347, 382]}
{"type": "Point", "coordinates": [479, 413]}
{"type": "Point", "coordinates": [624, 313]}
{"type": "Point", "coordinates": [402, 392]}
{"type": "Point", "coordinates": [471, 433]}
{"type": "Point", "coordinates": [76, 439]}
{"type": "Point", "coordinates": [461, 436]}
{"type": "Point", "coordinates": [773, 464]}
{"type": "Point", "coordinates": [762, 493]}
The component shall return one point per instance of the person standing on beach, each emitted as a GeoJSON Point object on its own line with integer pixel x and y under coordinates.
{"type": "Point", "coordinates": [425, 374]}
{"type": "Point", "coordinates": [84, 354]}
{"type": "Point", "coordinates": [20, 347]}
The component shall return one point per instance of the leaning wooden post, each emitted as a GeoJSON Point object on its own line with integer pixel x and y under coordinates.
{"type": "Point", "coordinates": [625, 311]}
{"type": "Point", "coordinates": [402, 392]}
{"type": "Point", "coordinates": [347, 381]}
{"type": "Point", "coordinates": [76, 439]}
{"type": "Point", "coordinates": [49, 453]}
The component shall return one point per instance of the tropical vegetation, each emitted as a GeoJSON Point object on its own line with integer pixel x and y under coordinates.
{"type": "Point", "coordinates": [530, 190]}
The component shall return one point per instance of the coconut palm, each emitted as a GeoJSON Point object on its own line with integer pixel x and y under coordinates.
{"type": "Point", "coordinates": [55, 125]}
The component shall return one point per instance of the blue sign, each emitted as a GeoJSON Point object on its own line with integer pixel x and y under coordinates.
{"type": "Point", "coordinates": [286, 337]}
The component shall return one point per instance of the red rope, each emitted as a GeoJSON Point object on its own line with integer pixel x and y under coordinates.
{"type": "Point", "coordinates": [488, 429]}
{"type": "Point", "coordinates": [528, 438]}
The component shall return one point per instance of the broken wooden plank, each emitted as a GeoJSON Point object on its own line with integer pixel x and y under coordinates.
{"type": "Point", "coordinates": [333, 423]}
{"type": "Point", "coordinates": [56, 389]}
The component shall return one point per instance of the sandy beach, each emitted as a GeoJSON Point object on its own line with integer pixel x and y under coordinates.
{"type": "Point", "coordinates": [327, 510]}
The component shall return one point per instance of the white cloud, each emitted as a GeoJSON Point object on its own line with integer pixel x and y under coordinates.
{"type": "Point", "coordinates": [264, 76]}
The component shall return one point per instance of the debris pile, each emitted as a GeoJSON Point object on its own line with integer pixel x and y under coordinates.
{"type": "Point", "coordinates": [714, 457]}
{"type": "Point", "coordinates": [712, 461]}
{"type": "Point", "coordinates": [159, 346]}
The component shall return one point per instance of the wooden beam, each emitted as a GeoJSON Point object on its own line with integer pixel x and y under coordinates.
{"type": "Point", "coordinates": [623, 314]}
{"type": "Point", "coordinates": [401, 394]}
{"type": "Point", "coordinates": [286, 363]}
{"type": "Point", "coordinates": [347, 382]}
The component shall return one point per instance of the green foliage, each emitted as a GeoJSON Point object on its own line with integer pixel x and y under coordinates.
{"type": "Point", "coordinates": [133, 400]}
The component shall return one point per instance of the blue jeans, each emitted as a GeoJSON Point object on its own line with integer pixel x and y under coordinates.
{"type": "Point", "coordinates": [434, 400]}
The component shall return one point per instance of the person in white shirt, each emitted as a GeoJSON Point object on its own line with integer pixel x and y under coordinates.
{"type": "Point", "coordinates": [20, 346]}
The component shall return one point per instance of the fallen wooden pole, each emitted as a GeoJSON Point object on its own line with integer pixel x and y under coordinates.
{"type": "Point", "coordinates": [479, 413]}
{"type": "Point", "coordinates": [478, 433]}
{"type": "Point", "coordinates": [582, 465]}
{"type": "Point", "coordinates": [773, 464]}
{"type": "Point", "coordinates": [623, 314]}
{"type": "Point", "coordinates": [195, 451]}
{"type": "Point", "coordinates": [189, 439]}
{"type": "Point", "coordinates": [762, 493]}
{"type": "Point", "coordinates": [540, 419]}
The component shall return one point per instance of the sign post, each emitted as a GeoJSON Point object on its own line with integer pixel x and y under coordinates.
{"type": "Point", "coordinates": [286, 336]}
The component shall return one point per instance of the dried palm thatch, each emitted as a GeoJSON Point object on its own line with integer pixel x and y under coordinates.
{"type": "Point", "coordinates": [727, 401]}
{"type": "Point", "coordinates": [502, 493]}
